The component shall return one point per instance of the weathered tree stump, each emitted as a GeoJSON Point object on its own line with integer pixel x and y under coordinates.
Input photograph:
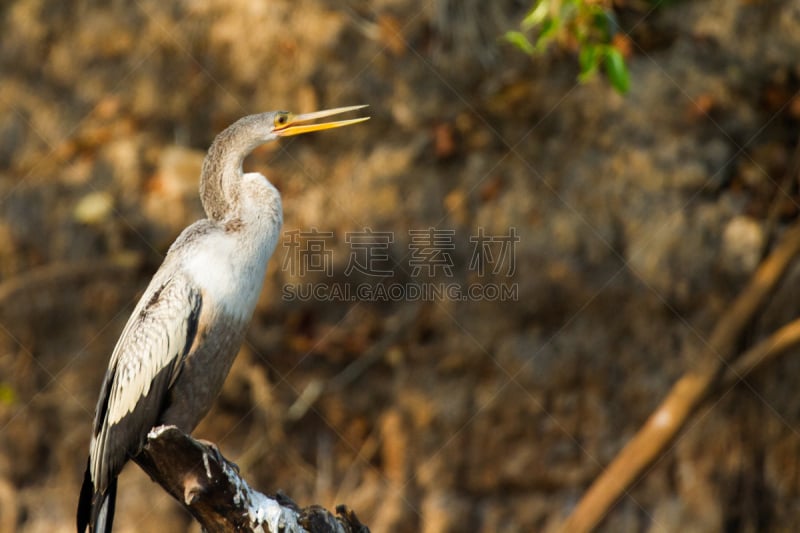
{"type": "Point", "coordinates": [209, 486]}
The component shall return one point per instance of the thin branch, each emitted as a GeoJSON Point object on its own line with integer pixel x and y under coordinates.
{"type": "Point", "coordinates": [782, 191]}
{"type": "Point", "coordinates": [686, 395]}
{"type": "Point", "coordinates": [762, 353]}
{"type": "Point", "coordinates": [9, 506]}
{"type": "Point", "coordinates": [209, 487]}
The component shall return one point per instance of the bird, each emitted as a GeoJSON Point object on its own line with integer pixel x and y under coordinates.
{"type": "Point", "coordinates": [179, 343]}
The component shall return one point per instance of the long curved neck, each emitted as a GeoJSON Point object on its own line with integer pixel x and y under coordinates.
{"type": "Point", "coordinates": [221, 177]}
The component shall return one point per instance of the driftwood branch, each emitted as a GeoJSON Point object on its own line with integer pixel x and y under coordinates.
{"type": "Point", "coordinates": [712, 366]}
{"type": "Point", "coordinates": [209, 487]}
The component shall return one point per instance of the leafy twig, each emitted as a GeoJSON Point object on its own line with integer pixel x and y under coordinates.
{"type": "Point", "coordinates": [585, 26]}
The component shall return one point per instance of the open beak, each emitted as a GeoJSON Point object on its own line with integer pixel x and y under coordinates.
{"type": "Point", "coordinates": [297, 124]}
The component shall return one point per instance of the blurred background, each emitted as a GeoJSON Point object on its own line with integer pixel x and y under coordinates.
{"type": "Point", "coordinates": [630, 221]}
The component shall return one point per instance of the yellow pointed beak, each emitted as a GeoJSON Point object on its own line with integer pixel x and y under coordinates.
{"type": "Point", "coordinates": [297, 124]}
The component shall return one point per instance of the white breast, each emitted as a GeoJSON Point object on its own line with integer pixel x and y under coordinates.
{"type": "Point", "coordinates": [229, 272]}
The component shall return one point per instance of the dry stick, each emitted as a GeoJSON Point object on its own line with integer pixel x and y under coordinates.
{"type": "Point", "coordinates": [785, 183]}
{"type": "Point", "coordinates": [9, 506]}
{"type": "Point", "coordinates": [762, 353]}
{"type": "Point", "coordinates": [664, 424]}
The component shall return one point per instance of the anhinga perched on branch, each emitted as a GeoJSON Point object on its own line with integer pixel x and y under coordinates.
{"type": "Point", "coordinates": [178, 345]}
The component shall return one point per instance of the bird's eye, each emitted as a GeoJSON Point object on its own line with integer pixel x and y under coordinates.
{"type": "Point", "coordinates": [281, 119]}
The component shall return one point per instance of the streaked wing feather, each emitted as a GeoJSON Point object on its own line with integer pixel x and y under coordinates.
{"type": "Point", "coordinates": [147, 358]}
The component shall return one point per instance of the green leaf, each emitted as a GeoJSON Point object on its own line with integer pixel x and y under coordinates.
{"type": "Point", "coordinates": [588, 59]}
{"type": "Point", "coordinates": [536, 15]}
{"type": "Point", "coordinates": [519, 40]}
{"type": "Point", "coordinates": [549, 29]}
{"type": "Point", "coordinates": [602, 24]}
{"type": "Point", "coordinates": [616, 70]}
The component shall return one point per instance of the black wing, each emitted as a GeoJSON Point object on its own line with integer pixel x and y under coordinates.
{"type": "Point", "coordinates": [148, 357]}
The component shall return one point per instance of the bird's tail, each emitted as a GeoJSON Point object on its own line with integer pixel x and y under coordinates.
{"type": "Point", "coordinates": [96, 509]}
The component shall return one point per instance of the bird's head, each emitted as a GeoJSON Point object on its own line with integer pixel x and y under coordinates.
{"type": "Point", "coordinates": [221, 179]}
{"type": "Point", "coordinates": [274, 124]}
{"type": "Point", "coordinates": [286, 124]}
